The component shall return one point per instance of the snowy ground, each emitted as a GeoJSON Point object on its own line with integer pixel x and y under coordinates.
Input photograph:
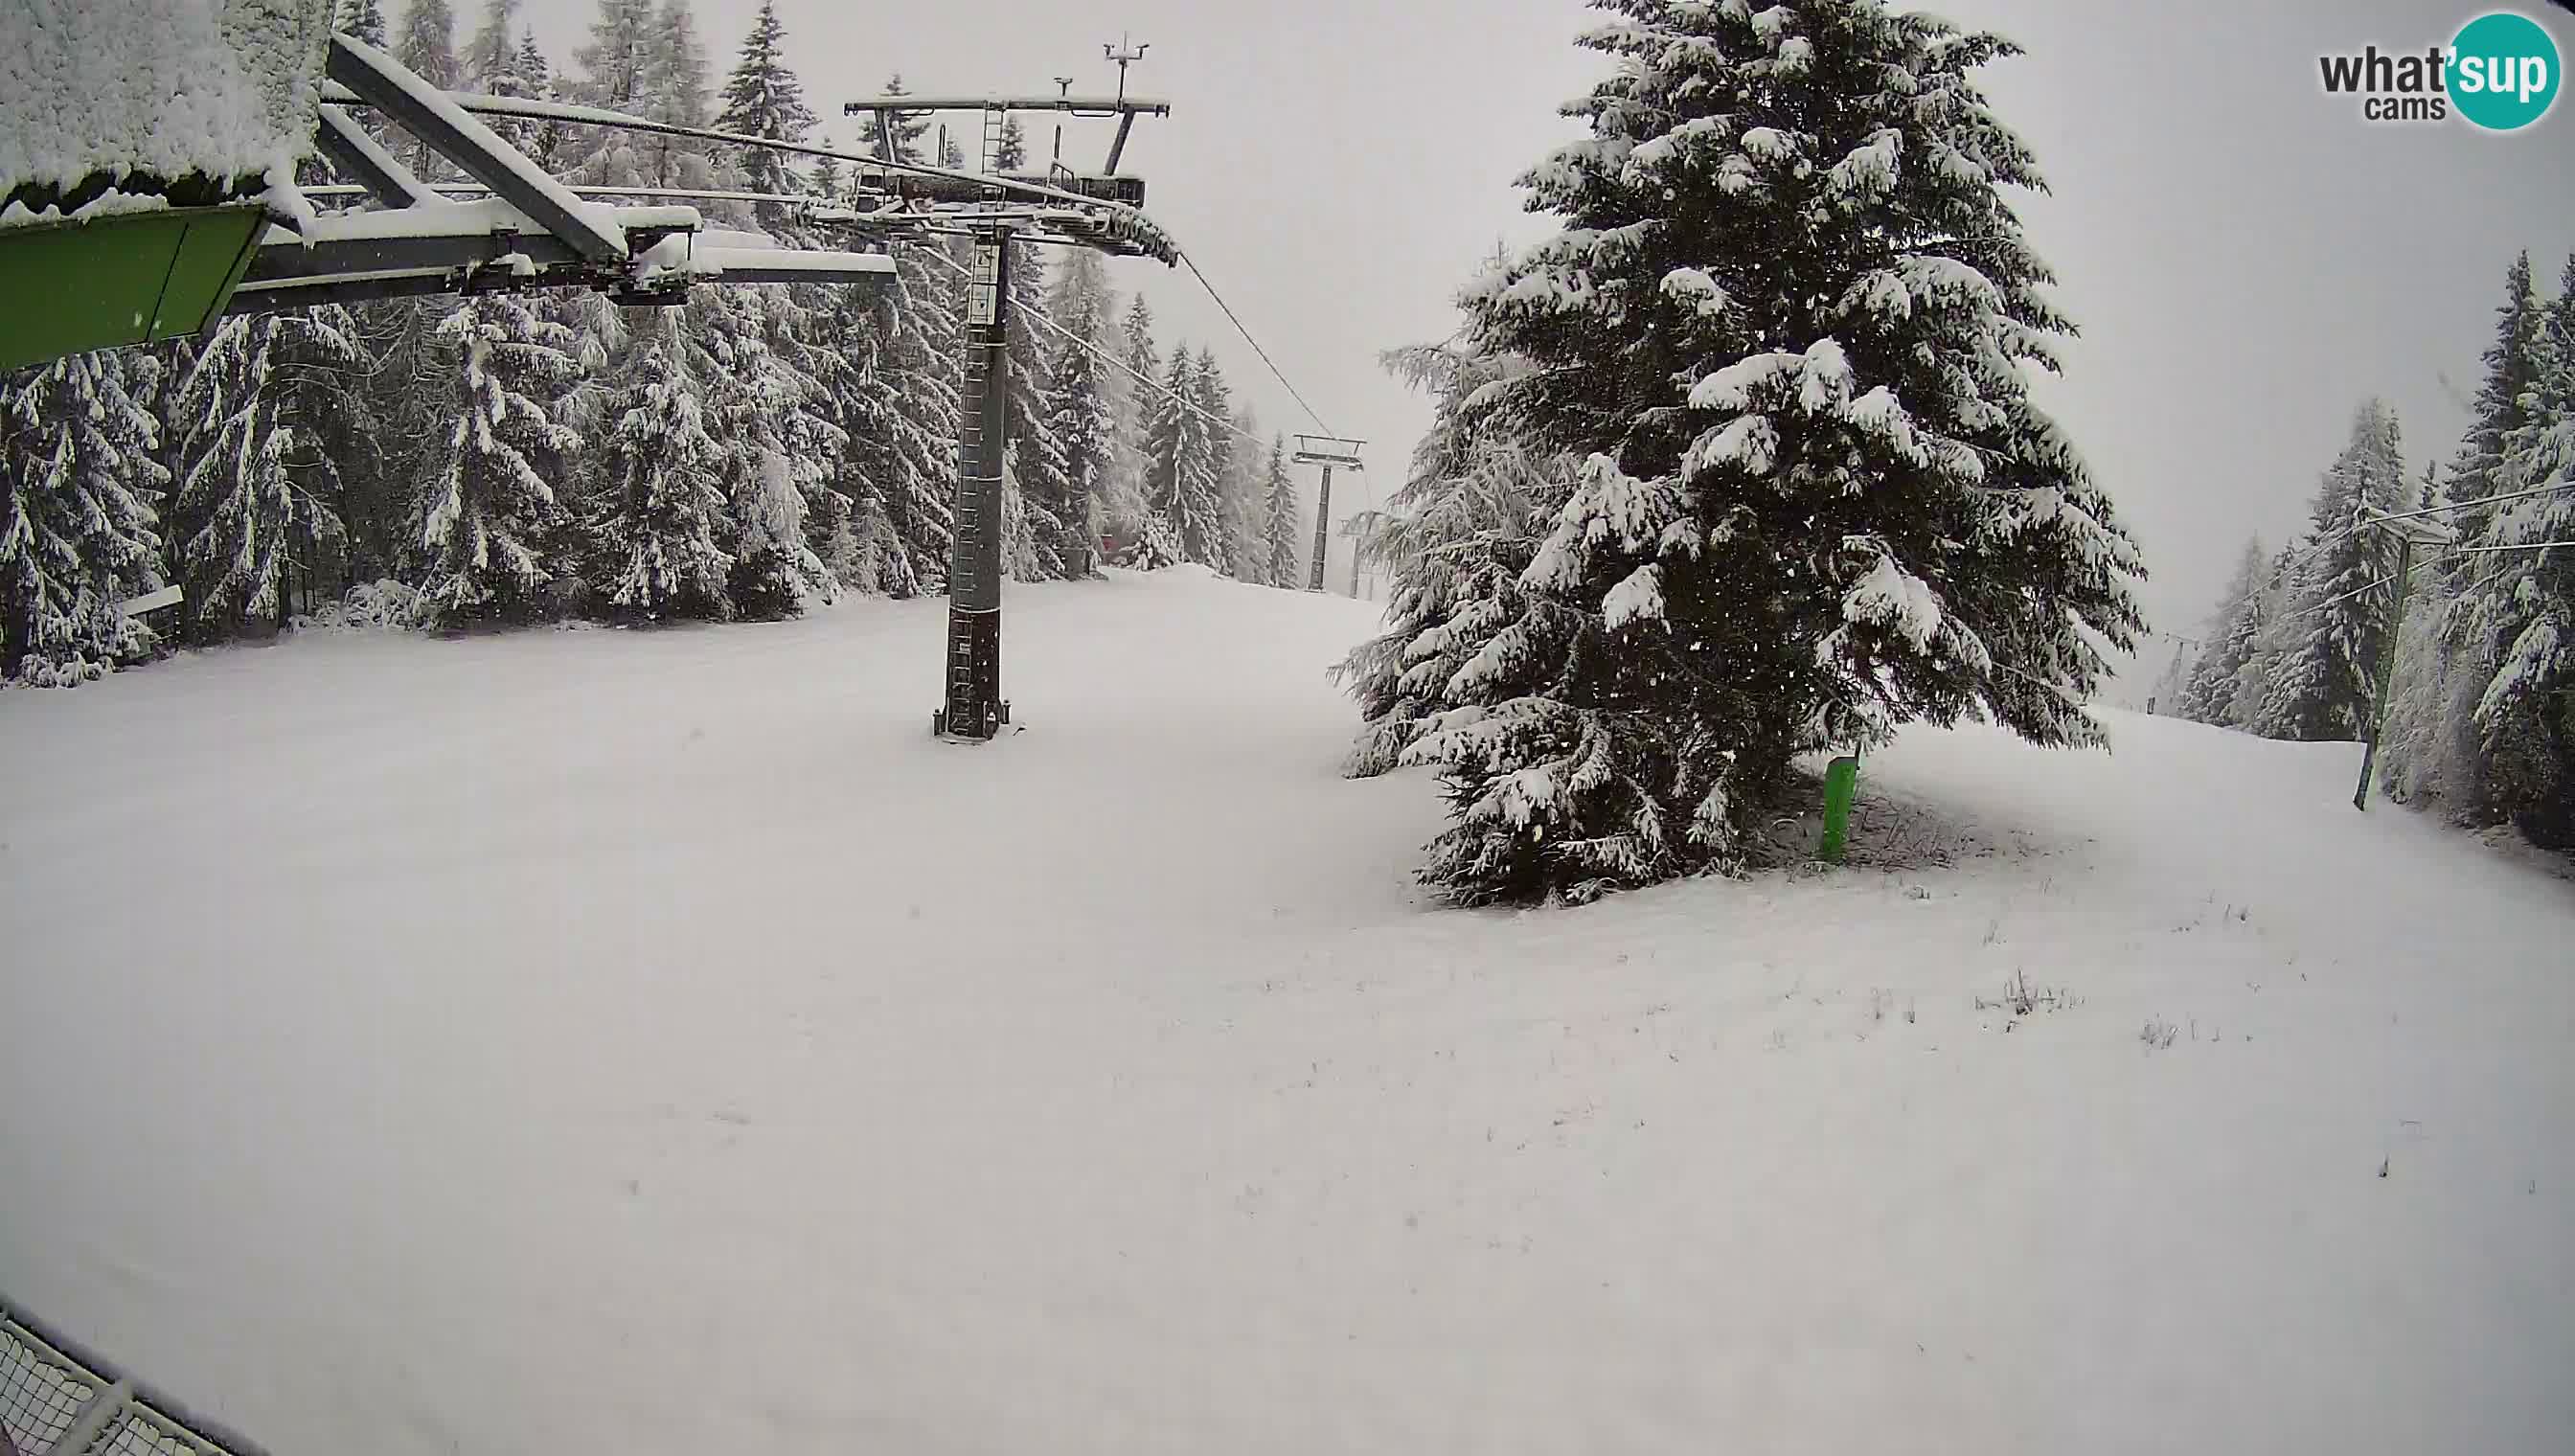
{"type": "Point", "coordinates": [655, 1042]}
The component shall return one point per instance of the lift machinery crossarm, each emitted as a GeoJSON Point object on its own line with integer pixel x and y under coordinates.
{"type": "Point", "coordinates": [1077, 105]}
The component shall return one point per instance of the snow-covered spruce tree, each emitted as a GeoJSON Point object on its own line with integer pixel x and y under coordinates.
{"type": "Point", "coordinates": [1283, 521]}
{"type": "Point", "coordinates": [2209, 693]}
{"type": "Point", "coordinates": [493, 517]}
{"type": "Point", "coordinates": [2275, 620]}
{"type": "Point", "coordinates": [910, 128]}
{"type": "Point", "coordinates": [491, 59]}
{"type": "Point", "coordinates": [1156, 547]}
{"type": "Point", "coordinates": [494, 62]}
{"type": "Point", "coordinates": [2512, 370]}
{"type": "Point", "coordinates": [616, 72]}
{"type": "Point", "coordinates": [1785, 323]}
{"type": "Point", "coordinates": [920, 385]}
{"type": "Point", "coordinates": [2429, 697]}
{"type": "Point", "coordinates": [266, 396]}
{"type": "Point", "coordinates": [2441, 751]}
{"type": "Point", "coordinates": [427, 45]}
{"type": "Point", "coordinates": [659, 501]}
{"type": "Point", "coordinates": [1246, 503]}
{"type": "Point", "coordinates": [1457, 531]}
{"type": "Point", "coordinates": [804, 323]}
{"type": "Point", "coordinates": [1215, 402]}
{"type": "Point", "coordinates": [2520, 600]}
{"type": "Point", "coordinates": [547, 143]}
{"type": "Point", "coordinates": [1180, 475]}
{"type": "Point", "coordinates": [851, 327]}
{"type": "Point", "coordinates": [763, 98]}
{"type": "Point", "coordinates": [769, 423]}
{"type": "Point", "coordinates": [1128, 506]}
{"type": "Point", "coordinates": [1077, 413]}
{"type": "Point", "coordinates": [681, 95]}
{"type": "Point", "coordinates": [2322, 686]}
{"type": "Point", "coordinates": [364, 19]}
{"type": "Point", "coordinates": [78, 483]}
{"type": "Point", "coordinates": [1049, 530]}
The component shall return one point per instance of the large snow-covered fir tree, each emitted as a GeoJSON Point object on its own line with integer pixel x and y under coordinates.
{"type": "Point", "coordinates": [490, 62]}
{"type": "Point", "coordinates": [1213, 399]}
{"type": "Point", "coordinates": [1126, 508]}
{"type": "Point", "coordinates": [1049, 531]}
{"type": "Point", "coordinates": [2322, 686]}
{"type": "Point", "coordinates": [680, 94]}
{"type": "Point", "coordinates": [660, 499]}
{"type": "Point", "coordinates": [1078, 411]}
{"type": "Point", "coordinates": [2436, 747]}
{"type": "Point", "coordinates": [1281, 519]}
{"type": "Point", "coordinates": [364, 19]}
{"type": "Point", "coordinates": [1246, 501]}
{"type": "Point", "coordinates": [494, 517]}
{"type": "Point", "coordinates": [903, 423]}
{"type": "Point", "coordinates": [775, 441]}
{"type": "Point", "coordinates": [910, 128]}
{"type": "Point", "coordinates": [78, 534]}
{"type": "Point", "coordinates": [2233, 631]}
{"type": "Point", "coordinates": [2519, 597]}
{"type": "Point", "coordinates": [547, 143]}
{"type": "Point", "coordinates": [1180, 477]}
{"type": "Point", "coordinates": [2499, 410]}
{"type": "Point", "coordinates": [618, 73]}
{"type": "Point", "coordinates": [427, 45]}
{"type": "Point", "coordinates": [763, 98]}
{"type": "Point", "coordinates": [1786, 323]}
{"type": "Point", "coordinates": [260, 411]}
{"type": "Point", "coordinates": [1453, 538]}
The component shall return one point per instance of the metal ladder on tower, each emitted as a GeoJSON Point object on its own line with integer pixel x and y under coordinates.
{"type": "Point", "coordinates": [995, 118]}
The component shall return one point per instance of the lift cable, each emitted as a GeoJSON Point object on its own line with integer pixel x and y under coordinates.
{"type": "Point", "coordinates": [1200, 275]}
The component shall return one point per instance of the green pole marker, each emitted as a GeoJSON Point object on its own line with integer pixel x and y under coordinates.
{"type": "Point", "coordinates": [1841, 785]}
{"type": "Point", "coordinates": [2386, 673]}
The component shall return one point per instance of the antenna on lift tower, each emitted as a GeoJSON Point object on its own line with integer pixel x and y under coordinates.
{"type": "Point", "coordinates": [1063, 89]}
{"type": "Point", "coordinates": [1125, 54]}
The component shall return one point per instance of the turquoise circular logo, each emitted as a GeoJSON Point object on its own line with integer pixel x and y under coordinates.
{"type": "Point", "coordinates": [2503, 71]}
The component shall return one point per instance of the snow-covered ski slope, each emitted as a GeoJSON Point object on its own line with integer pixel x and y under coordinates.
{"type": "Point", "coordinates": [594, 1041]}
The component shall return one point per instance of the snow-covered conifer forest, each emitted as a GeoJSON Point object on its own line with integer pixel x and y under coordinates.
{"type": "Point", "coordinates": [504, 963]}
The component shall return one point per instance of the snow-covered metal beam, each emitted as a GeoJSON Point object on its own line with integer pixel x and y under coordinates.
{"type": "Point", "coordinates": [448, 247]}
{"type": "Point", "coordinates": [791, 265]}
{"type": "Point", "coordinates": [360, 156]}
{"type": "Point", "coordinates": [1115, 200]}
{"type": "Point", "coordinates": [429, 113]}
{"type": "Point", "coordinates": [1077, 105]}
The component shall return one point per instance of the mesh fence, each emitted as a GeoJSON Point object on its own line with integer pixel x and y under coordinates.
{"type": "Point", "coordinates": [43, 1391]}
{"type": "Point", "coordinates": [145, 1432]}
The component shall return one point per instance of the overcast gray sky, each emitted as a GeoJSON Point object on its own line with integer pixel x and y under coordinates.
{"type": "Point", "coordinates": [2248, 258]}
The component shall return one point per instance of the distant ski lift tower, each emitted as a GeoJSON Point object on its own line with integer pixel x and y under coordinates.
{"type": "Point", "coordinates": [972, 706]}
{"type": "Point", "coordinates": [1332, 452]}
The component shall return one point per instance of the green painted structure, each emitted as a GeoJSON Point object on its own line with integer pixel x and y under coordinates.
{"type": "Point", "coordinates": [127, 278]}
